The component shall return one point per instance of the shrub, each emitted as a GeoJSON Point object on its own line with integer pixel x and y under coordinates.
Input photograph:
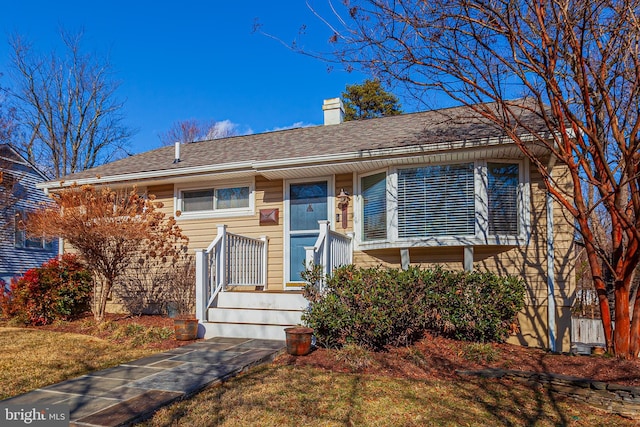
{"type": "Point", "coordinates": [376, 307]}
{"type": "Point", "coordinates": [476, 306]}
{"type": "Point", "coordinates": [58, 290]}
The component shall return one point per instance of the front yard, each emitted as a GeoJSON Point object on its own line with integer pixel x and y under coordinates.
{"type": "Point", "coordinates": [407, 386]}
{"type": "Point", "coordinates": [31, 358]}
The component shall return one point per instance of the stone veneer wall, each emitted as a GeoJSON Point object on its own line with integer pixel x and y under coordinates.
{"type": "Point", "coordinates": [615, 398]}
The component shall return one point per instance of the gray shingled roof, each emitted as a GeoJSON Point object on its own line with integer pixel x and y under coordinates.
{"type": "Point", "coordinates": [452, 124]}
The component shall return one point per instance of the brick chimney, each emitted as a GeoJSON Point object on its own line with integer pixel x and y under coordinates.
{"type": "Point", "coordinates": [333, 111]}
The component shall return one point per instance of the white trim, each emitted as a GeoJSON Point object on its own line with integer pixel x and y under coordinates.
{"type": "Point", "coordinates": [481, 183]}
{"type": "Point", "coordinates": [287, 225]}
{"type": "Point", "coordinates": [481, 236]}
{"type": "Point", "coordinates": [253, 167]}
{"type": "Point", "coordinates": [213, 213]}
{"type": "Point", "coordinates": [358, 203]}
{"type": "Point", "coordinates": [523, 203]}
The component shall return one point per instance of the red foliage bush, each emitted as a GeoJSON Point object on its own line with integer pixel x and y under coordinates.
{"type": "Point", "coordinates": [59, 289]}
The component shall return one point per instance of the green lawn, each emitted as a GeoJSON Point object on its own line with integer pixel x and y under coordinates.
{"type": "Point", "coordinates": [296, 396]}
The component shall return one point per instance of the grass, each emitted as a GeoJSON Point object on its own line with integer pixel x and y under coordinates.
{"type": "Point", "coordinates": [289, 395]}
{"type": "Point", "coordinates": [31, 358]}
{"type": "Point", "coordinates": [293, 396]}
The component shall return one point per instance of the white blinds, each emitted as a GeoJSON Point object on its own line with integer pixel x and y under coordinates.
{"type": "Point", "coordinates": [436, 201]}
{"type": "Point", "coordinates": [374, 195]}
{"type": "Point", "coordinates": [503, 180]}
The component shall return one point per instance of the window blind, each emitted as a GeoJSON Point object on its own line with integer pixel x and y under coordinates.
{"type": "Point", "coordinates": [374, 209]}
{"type": "Point", "coordinates": [503, 180]}
{"type": "Point", "coordinates": [436, 201]}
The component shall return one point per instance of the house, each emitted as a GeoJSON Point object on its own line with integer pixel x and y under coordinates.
{"type": "Point", "coordinates": [437, 187]}
{"type": "Point", "coordinates": [18, 195]}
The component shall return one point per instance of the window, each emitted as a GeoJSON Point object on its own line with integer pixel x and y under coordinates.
{"type": "Point", "coordinates": [436, 201]}
{"type": "Point", "coordinates": [206, 201]}
{"type": "Point", "coordinates": [21, 240]}
{"type": "Point", "coordinates": [374, 207]}
{"type": "Point", "coordinates": [199, 200]}
{"type": "Point", "coordinates": [503, 181]}
{"type": "Point", "coordinates": [232, 198]}
{"type": "Point", "coordinates": [471, 203]}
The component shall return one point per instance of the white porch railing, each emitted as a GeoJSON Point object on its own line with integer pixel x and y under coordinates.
{"type": "Point", "coordinates": [331, 250]}
{"type": "Point", "coordinates": [230, 260]}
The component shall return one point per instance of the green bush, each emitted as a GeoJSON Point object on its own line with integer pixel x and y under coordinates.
{"type": "Point", "coordinates": [58, 290]}
{"type": "Point", "coordinates": [377, 307]}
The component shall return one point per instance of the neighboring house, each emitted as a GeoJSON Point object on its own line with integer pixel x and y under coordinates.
{"type": "Point", "coordinates": [438, 187]}
{"type": "Point", "coordinates": [18, 196]}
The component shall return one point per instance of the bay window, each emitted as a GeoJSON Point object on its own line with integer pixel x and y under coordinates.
{"type": "Point", "coordinates": [444, 204]}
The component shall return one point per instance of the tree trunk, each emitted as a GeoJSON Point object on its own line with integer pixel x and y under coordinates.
{"type": "Point", "coordinates": [100, 296]}
{"type": "Point", "coordinates": [623, 322]}
{"type": "Point", "coordinates": [635, 330]}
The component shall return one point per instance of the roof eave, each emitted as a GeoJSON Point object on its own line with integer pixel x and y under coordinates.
{"type": "Point", "coordinates": [256, 167]}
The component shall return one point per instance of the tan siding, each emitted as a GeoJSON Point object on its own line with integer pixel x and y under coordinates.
{"type": "Point", "coordinates": [344, 181]}
{"type": "Point", "coordinates": [268, 195]}
{"type": "Point", "coordinates": [527, 261]}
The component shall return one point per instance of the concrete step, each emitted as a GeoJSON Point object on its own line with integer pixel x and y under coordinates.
{"type": "Point", "coordinates": [243, 330]}
{"type": "Point", "coordinates": [262, 300]}
{"type": "Point", "coordinates": [255, 316]}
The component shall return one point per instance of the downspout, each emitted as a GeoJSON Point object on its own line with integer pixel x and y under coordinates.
{"type": "Point", "coordinates": [551, 301]}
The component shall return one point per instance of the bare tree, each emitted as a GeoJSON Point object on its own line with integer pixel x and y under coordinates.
{"type": "Point", "coordinates": [112, 231]}
{"type": "Point", "coordinates": [9, 177]}
{"type": "Point", "coordinates": [192, 130]}
{"type": "Point", "coordinates": [574, 64]}
{"type": "Point", "coordinates": [67, 107]}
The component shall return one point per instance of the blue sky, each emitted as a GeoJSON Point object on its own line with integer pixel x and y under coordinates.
{"type": "Point", "coordinates": [197, 59]}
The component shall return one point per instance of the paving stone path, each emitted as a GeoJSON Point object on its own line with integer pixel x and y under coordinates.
{"type": "Point", "coordinates": [120, 395]}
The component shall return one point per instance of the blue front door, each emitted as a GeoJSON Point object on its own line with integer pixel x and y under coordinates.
{"type": "Point", "coordinates": [307, 206]}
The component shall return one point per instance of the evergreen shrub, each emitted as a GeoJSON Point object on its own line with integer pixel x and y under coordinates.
{"type": "Point", "coordinates": [379, 307]}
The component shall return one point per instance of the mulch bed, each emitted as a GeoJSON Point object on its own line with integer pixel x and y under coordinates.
{"type": "Point", "coordinates": [439, 358]}
{"type": "Point", "coordinates": [433, 357]}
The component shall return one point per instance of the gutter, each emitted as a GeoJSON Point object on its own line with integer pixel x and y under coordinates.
{"type": "Point", "coordinates": [253, 166]}
{"type": "Point", "coordinates": [551, 299]}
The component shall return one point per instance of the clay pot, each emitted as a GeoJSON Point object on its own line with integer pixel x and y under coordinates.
{"type": "Point", "coordinates": [185, 329]}
{"type": "Point", "coordinates": [298, 340]}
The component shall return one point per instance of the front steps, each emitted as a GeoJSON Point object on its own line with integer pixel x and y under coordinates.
{"type": "Point", "coordinates": [259, 315]}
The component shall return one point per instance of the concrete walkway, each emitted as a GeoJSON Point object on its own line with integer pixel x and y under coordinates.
{"type": "Point", "coordinates": [129, 392]}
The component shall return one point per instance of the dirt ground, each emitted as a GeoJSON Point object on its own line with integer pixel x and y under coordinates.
{"type": "Point", "coordinates": [431, 358]}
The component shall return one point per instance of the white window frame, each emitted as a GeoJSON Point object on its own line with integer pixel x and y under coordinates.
{"type": "Point", "coordinates": [358, 211]}
{"type": "Point", "coordinates": [481, 236]}
{"type": "Point", "coordinates": [213, 213]}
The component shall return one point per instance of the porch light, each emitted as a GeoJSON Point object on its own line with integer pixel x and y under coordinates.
{"type": "Point", "coordinates": [343, 205]}
{"type": "Point", "coordinates": [343, 199]}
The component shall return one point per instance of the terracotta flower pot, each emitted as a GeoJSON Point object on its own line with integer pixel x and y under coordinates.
{"type": "Point", "coordinates": [298, 340]}
{"type": "Point", "coordinates": [185, 328]}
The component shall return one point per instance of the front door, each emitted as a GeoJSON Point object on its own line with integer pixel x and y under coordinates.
{"type": "Point", "coordinates": [307, 205]}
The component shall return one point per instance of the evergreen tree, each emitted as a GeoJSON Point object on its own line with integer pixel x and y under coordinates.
{"type": "Point", "coordinates": [369, 100]}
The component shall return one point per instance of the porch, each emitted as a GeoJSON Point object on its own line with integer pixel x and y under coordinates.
{"type": "Point", "coordinates": [233, 298]}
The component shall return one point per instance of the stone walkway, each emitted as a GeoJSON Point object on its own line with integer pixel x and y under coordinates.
{"type": "Point", "coordinates": [119, 396]}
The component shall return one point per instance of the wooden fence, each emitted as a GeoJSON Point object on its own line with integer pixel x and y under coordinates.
{"type": "Point", "coordinates": [586, 333]}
